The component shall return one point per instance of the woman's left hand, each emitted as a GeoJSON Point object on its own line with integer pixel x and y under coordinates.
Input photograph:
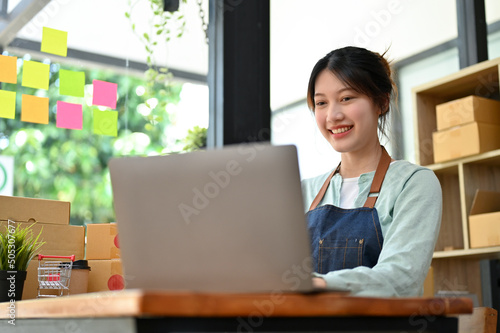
{"type": "Point", "coordinates": [319, 283]}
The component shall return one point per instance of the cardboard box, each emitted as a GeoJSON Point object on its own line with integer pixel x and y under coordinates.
{"type": "Point", "coordinates": [466, 110]}
{"type": "Point", "coordinates": [102, 241]}
{"type": "Point", "coordinates": [60, 240]}
{"type": "Point", "coordinates": [470, 139]}
{"type": "Point", "coordinates": [105, 275]}
{"type": "Point", "coordinates": [484, 219]}
{"type": "Point", "coordinates": [429, 284]}
{"type": "Point", "coordinates": [21, 209]}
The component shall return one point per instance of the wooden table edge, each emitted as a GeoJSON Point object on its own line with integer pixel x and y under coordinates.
{"type": "Point", "coordinates": [140, 303]}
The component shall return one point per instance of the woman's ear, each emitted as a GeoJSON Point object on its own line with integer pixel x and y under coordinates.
{"type": "Point", "coordinates": [385, 106]}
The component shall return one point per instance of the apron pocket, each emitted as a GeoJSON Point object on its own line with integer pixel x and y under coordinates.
{"type": "Point", "coordinates": [339, 254]}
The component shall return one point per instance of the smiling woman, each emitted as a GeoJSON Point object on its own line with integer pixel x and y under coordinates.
{"type": "Point", "coordinates": [373, 221]}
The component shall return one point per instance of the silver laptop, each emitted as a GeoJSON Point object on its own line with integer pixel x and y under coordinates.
{"type": "Point", "coordinates": [226, 220]}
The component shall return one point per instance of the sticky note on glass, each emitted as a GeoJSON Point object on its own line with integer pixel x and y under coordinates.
{"type": "Point", "coordinates": [69, 115]}
{"type": "Point", "coordinates": [54, 41]}
{"type": "Point", "coordinates": [36, 75]}
{"type": "Point", "coordinates": [105, 122]}
{"type": "Point", "coordinates": [8, 69]}
{"type": "Point", "coordinates": [71, 83]}
{"type": "Point", "coordinates": [35, 109]}
{"type": "Point", "coordinates": [104, 93]}
{"type": "Point", "coordinates": [7, 104]}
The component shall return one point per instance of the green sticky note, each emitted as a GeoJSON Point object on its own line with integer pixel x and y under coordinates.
{"type": "Point", "coordinates": [71, 83]}
{"type": "Point", "coordinates": [7, 104]}
{"type": "Point", "coordinates": [54, 41]}
{"type": "Point", "coordinates": [105, 122]}
{"type": "Point", "coordinates": [36, 75]}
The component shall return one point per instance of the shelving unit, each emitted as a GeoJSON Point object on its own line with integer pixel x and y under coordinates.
{"type": "Point", "coordinates": [455, 263]}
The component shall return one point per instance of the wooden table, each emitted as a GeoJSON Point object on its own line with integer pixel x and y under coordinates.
{"type": "Point", "coordinates": [134, 311]}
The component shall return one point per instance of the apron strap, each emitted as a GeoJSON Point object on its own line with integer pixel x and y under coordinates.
{"type": "Point", "coordinates": [378, 179]}
{"type": "Point", "coordinates": [383, 165]}
{"type": "Point", "coordinates": [323, 189]}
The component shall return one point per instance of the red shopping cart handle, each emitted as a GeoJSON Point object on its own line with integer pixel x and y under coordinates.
{"type": "Point", "coordinates": [72, 257]}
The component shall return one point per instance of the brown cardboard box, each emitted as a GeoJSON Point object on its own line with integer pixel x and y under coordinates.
{"type": "Point", "coordinates": [465, 140]}
{"type": "Point", "coordinates": [484, 219]}
{"type": "Point", "coordinates": [21, 209]}
{"type": "Point", "coordinates": [60, 240]}
{"type": "Point", "coordinates": [105, 275]}
{"type": "Point", "coordinates": [468, 109]}
{"type": "Point", "coordinates": [429, 284]}
{"type": "Point", "coordinates": [102, 241]}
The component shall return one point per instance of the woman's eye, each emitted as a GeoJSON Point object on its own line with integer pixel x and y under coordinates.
{"type": "Point", "coordinates": [320, 103]}
{"type": "Point", "coordinates": [346, 99]}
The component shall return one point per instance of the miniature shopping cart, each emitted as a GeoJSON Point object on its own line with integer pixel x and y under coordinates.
{"type": "Point", "coordinates": [54, 275]}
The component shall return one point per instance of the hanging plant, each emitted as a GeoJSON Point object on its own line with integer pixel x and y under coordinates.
{"type": "Point", "coordinates": [164, 26]}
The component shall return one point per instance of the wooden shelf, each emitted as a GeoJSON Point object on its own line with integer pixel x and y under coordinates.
{"type": "Point", "coordinates": [488, 158]}
{"type": "Point", "coordinates": [480, 80]}
{"type": "Point", "coordinates": [460, 179]}
{"type": "Point", "coordinates": [478, 253]}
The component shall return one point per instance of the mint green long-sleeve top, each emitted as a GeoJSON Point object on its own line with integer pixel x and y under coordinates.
{"type": "Point", "coordinates": [409, 208]}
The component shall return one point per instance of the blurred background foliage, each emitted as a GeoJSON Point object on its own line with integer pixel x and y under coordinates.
{"type": "Point", "coordinates": [71, 165]}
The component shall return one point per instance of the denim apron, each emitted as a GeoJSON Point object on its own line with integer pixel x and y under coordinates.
{"type": "Point", "coordinates": [347, 238]}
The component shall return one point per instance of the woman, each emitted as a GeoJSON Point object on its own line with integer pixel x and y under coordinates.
{"type": "Point", "coordinates": [373, 221]}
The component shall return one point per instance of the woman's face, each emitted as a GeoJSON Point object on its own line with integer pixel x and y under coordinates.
{"type": "Point", "coordinates": [347, 119]}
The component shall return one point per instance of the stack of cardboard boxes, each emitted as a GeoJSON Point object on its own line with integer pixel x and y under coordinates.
{"type": "Point", "coordinates": [466, 126]}
{"type": "Point", "coordinates": [469, 126]}
{"type": "Point", "coordinates": [103, 255]}
{"type": "Point", "coordinates": [51, 217]}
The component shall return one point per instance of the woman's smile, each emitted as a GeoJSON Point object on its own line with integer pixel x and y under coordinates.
{"type": "Point", "coordinates": [340, 130]}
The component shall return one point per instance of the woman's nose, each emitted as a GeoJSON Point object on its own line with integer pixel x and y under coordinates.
{"type": "Point", "coordinates": [334, 113]}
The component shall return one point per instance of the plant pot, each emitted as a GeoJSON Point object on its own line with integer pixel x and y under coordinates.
{"type": "Point", "coordinates": [11, 285]}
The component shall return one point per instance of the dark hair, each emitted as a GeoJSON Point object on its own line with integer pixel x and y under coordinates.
{"type": "Point", "coordinates": [364, 71]}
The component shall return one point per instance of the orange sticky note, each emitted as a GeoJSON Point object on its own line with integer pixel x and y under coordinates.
{"type": "Point", "coordinates": [8, 69]}
{"type": "Point", "coordinates": [7, 104]}
{"type": "Point", "coordinates": [36, 75]}
{"type": "Point", "coordinates": [54, 41]}
{"type": "Point", "coordinates": [35, 109]}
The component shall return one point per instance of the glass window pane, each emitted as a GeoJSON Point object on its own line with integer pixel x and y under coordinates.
{"type": "Point", "coordinates": [62, 144]}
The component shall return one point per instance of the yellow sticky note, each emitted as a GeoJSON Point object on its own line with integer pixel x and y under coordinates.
{"type": "Point", "coordinates": [35, 109]}
{"type": "Point", "coordinates": [54, 41]}
{"type": "Point", "coordinates": [8, 69]}
{"type": "Point", "coordinates": [7, 104]}
{"type": "Point", "coordinates": [36, 75]}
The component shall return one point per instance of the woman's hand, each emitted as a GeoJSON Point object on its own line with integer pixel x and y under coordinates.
{"type": "Point", "coordinates": [319, 283]}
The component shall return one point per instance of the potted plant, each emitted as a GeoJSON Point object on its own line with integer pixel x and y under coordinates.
{"type": "Point", "coordinates": [18, 245]}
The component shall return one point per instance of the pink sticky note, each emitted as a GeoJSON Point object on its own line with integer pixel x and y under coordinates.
{"type": "Point", "coordinates": [104, 93]}
{"type": "Point", "coordinates": [69, 115]}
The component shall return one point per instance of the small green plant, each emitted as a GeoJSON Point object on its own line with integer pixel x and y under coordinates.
{"type": "Point", "coordinates": [18, 246]}
{"type": "Point", "coordinates": [195, 139]}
